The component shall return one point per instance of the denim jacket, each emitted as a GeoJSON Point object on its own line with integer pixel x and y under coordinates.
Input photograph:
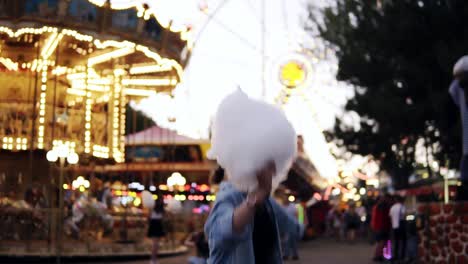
{"type": "Point", "coordinates": [226, 246]}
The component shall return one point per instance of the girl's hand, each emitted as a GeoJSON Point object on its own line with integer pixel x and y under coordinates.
{"type": "Point", "coordinates": [265, 178]}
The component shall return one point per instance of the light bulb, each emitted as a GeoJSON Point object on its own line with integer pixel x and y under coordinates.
{"type": "Point", "coordinates": [75, 184]}
{"type": "Point", "coordinates": [73, 158]}
{"type": "Point", "coordinates": [62, 151]}
{"type": "Point", "coordinates": [182, 181]}
{"type": "Point", "coordinates": [52, 156]}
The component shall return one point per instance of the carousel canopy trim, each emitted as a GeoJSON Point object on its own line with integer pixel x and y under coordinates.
{"type": "Point", "coordinates": [160, 136]}
{"type": "Point", "coordinates": [122, 48]}
{"type": "Point", "coordinates": [133, 21]}
{"type": "Point", "coordinates": [81, 86]}
{"type": "Point", "coordinates": [145, 13]}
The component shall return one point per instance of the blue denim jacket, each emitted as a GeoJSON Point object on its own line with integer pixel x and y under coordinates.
{"type": "Point", "coordinates": [229, 247]}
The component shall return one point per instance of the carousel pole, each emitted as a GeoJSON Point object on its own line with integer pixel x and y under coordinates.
{"type": "Point", "coordinates": [34, 112]}
{"type": "Point", "coordinates": [62, 164]}
{"type": "Point", "coordinates": [51, 146]}
{"type": "Point", "coordinates": [54, 103]}
{"type": "Point", "coordinates": [60, 213]}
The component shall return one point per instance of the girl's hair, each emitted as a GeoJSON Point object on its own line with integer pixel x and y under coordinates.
{"type": "Point", "coordinates": [218, 176]}
{"type": "Point", "coordinates": [159, 204]}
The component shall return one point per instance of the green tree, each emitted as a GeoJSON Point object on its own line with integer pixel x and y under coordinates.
{"type": "Point", "coordinates": [398, 55]}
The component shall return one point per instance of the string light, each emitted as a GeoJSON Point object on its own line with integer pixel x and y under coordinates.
{"type": "Point", "coordinates": [101, 151]}
{"type": "Point", "coordinates": [110, 55]}
{"type": "Point", "coordinates": [116, 116]}
{"type": "Point", "coordinates": [120, 156]}
{"type": "Point", "coordinates": [149, 68]}
{"type": "Point", "coordinates": [88, 106]}
{"type": "Point", "coordinates": [76, 35]}
{"type": "Point", "coordinates": [139, 92]}
{"type": "Point", "coordinates": [42, 105]}
{"type": "Point", "coordinates": [51, 44]}
{"type": "Point", "coordinates": [11, 143]}
{"type": "Point", "coordinates": [75, 91]}
{"type": "Point", "coordinates": [9, 64]}
{"type": "Point", "coordinates": [60, 70]}
{"type": "Point", "coordinates": [149, 82]}
{"type": "Point", "coordinates": [155, 56]}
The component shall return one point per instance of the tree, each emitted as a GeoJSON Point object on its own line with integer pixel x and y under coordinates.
{"type": "Point", "coordinates": [398, 55]}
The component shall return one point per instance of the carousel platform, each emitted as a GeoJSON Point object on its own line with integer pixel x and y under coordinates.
{"type": "Point", "coordinates": [40, 251]}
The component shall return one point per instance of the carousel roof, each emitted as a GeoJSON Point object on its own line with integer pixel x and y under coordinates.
{"type": "Point", "coordinates": [160, 136]}
{"type": "Point", "coordinates": [71, 67]}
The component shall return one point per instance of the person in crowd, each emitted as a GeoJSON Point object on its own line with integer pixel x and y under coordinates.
{"type": "Point", "coordinates": [369, 205]}
{"type": "Point", "coordinates": [336, 221]}
{"type": "Point", "coordinates": [290, 239]}
{"type": "Point", "coordinates": [412, 239]}
{"type": "Point", "coordinates": [35, 198]}
{"type": "Point", "coordinates": [361, 212]}
{"type": "Point", "coordinates": [352, 222]}
{"type": "Point", "coordinates": [397, 216]}
{"type": "Point", "coordinates": [156, 229]}
{"type": "Point", "coordinates": [245, 227]}
{"type": "Point", "coordinates": [105, 196]}
{"type": "Point", "coordinates": [329, 222]}
{"type": "Point", "coordinates": [380, 225]}
{"type": "Point", "coordinates": [458, 90]}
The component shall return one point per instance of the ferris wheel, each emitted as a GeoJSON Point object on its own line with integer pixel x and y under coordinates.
{"type": "Point", "coordinates": [295, 69]}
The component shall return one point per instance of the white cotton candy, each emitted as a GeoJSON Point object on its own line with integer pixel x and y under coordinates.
{"type": "Point", "coordinates": [174, 206]}
{"type": "Point", "coordinates": [147, 198]}
{"type": "Point", "coordinates": [246, 133]}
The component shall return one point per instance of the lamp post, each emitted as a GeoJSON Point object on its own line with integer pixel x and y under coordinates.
{"type": "Point", "coordinates": [176, 179]}
{"type": "Point", "coordinates": [61, 153]}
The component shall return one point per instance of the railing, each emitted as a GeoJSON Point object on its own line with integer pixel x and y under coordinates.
{"type": "Point", "coordinates": [34, 232]}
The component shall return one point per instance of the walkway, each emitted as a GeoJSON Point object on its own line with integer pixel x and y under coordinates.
{"type": "Point", "coordinates": [314, 252]}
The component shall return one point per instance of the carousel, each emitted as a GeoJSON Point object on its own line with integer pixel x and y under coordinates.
{"type": "Point", "coordinates": [68, 69]}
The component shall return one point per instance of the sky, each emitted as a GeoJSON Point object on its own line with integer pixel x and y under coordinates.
{"type": "Point", "coordinates": [227, 54]}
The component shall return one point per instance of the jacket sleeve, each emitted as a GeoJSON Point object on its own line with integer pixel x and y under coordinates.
{"type": "Point", "coordinates": [454, 92]}
{"type": "Point", "coordinates": [218, 227]}
{"type": "Point", "coordinates": [286, 224]}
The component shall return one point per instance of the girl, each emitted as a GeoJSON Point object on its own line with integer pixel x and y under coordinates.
{"type": "Point", "coordinates": [155, 230]}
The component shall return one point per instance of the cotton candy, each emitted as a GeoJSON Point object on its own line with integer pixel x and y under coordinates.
{"type": "Point", "coordinates": [174, 206]}
{"type": "Point", "coordinates": [147, 198]}
{"type": "Point", "coordinates": [246, 133]}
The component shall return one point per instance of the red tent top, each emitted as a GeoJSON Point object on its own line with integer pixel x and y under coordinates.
{"type": "Point", "coordinates": [160, 136]}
